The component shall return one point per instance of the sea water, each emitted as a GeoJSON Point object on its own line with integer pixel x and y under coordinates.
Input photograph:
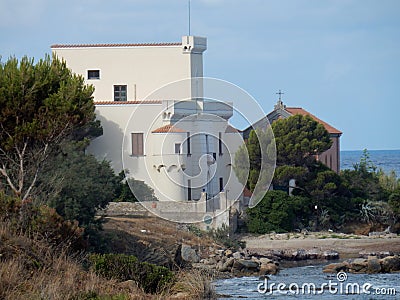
{"type": "Point", "coordinates": [387, 160]}
{"type": "Point", "coordinates": [299, 283]}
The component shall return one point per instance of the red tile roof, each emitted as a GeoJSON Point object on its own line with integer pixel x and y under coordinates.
{"type": "Point", "coordinates": [301, 111]}
{"type": "Point", "coordinates": [127, 102]}
{"type": "Point", "coordinates": [114, 45]}
{"type": "Point", "coordinates": [168, 129]}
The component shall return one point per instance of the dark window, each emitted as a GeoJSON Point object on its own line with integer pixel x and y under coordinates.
{"type": "Point", "coordinates": [220, 143]}
{"type": "Point", "coordinates": [221, 184]}
{"type": "Point", "coordinates": [177, 148]}
{"type": "Point", "coordinates": [214, 156]}
{"type": "Point", "coordinates": [188, 143]}
{"type": "Point", "coordinates": [137, 144]}
{"type": "Point", "coordinates": [120, 93]}
{"type": "Point", "coordinates": [93, 74]}
{"type": "Point", "coordinates": [189, 187]}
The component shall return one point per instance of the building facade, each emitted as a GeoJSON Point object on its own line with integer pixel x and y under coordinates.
{"type": "Point", "coordinates": [156, 123]}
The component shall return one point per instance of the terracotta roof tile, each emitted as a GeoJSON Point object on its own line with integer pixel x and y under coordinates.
{"type": "Point", "coordinates": [301, 111]}
{"type": "Point", "coordinates": [127, 102]}
{"type": "Point", "coordinates": [168, 129]}
{"type": "Point", "coordinates": [58, 46]}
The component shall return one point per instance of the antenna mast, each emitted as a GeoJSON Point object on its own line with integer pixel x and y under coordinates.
{"type": "Point", "coordinates": [189, 15]}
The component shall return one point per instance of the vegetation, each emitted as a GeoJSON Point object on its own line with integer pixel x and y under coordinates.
{"type": "Point", "coordinates": [299, 139]}
{"type": "Point", "coordinates": [42, 105]}
{"type": "Point", "coordinates": [122, 267]}
{"type": "Point", "coordinates": [321, 199]}
{"type": "Point", "coordinates": [279, 212]}
{"type": "Point", "coordinates": [50, 190]}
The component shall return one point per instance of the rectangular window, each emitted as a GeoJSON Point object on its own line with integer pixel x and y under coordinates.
{"type": "Point", "coordinates": [93, 74]}
{"type": "Point", "coordinates": [177, 148]}
{"type": "Point", "coordinates": [220, 143]}
{"type": "Point", "coordinates": [188, 142]}
{"type": "Point", "coordinates": [221, 184]}
{"type": "Point", "coordinates": [189, 187]}
{"type": "Point", "coordinates": [120, 93]}
{"type": "Point", "coordinates": [137, 144]}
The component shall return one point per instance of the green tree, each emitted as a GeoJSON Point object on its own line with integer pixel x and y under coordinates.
{"type": "Point", "coordinates": [76, 185]}
{"type": "Point", "coordinates": [254, 161]}
{"type": "Point", "coordinates": [299, 139]}
{"type": "Point", "coordinates": [278, 212]}
{"type": "Point", "coordinates": [132, 190]}
{"type": "Point", "coordinates": [41, 104]}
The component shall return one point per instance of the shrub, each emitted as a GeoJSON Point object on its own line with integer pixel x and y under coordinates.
{"type": "Point", "coordinates": [122, 267]}
{"type": "Point", "coordinates": [41, 221]}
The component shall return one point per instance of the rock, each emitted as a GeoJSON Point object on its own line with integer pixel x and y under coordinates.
{"type": "Point", "coordinates": [390, 264]}
{"type": "Point", "coordinates": [219, 266]}
{"type": "Point", "coordinates": [228, 253]}
{"type": "Point", "coordinates": [265, 261]}
{"type": "Point", "coordinates": [359, 265]}
{"type": "Point", "coordinates": [237, 255]}
{"type": "Point", "coordinates": [373, 265]}
{"type": "Point", "coordinates": [188, 254]}
{"type": "Point", "coordinates": [268, 269]}
{"type": "Point", "coordinates": [227, 266]}
{"type": "Point", "coordinates": [210, 261]}
{"type": "Point", "coordinates": [245, 265]}
{"type": "Point", "coordinates": [330, 254]}
{"type": "Point", "coordinates": [313, 254]}
{"type": "Point", "coordinates": [335, 268]}
{"type": "Point", "coordinates": [299, 254]}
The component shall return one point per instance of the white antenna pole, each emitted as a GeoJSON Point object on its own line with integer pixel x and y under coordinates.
{"type": "Point", "coordinates": [189, 15]}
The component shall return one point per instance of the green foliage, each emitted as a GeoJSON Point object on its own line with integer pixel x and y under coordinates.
{"type": "Point", "coordinates": [41, 221]}
{"type": "Point", "coordinates": [41, 104]}
{"type": "Point", "coordinates": [132, 190]}
{"type": "Point", "coordinates": [298, 139]}
{"type": "Point", "coordinates": [77, 186]}
{"type": "Point", "coordinates": [222, 236]}
{"type": "Point", "coordinates": [278, 212]}
{"type": "Point", "coordinates": [254, 161]}
{"type": "Point", "coordinates": [394, 202]}
{"type": "Point", "coordinates": [149, 277]}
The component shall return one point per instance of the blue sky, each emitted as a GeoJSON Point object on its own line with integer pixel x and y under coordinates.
{"type": "Point", "coordinates": [339, 59]}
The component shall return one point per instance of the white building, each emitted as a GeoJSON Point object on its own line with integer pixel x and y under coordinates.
{"type": "Point", "coordinates": [149, 99]}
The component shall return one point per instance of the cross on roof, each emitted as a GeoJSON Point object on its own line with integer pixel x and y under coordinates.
{"type": "Point", "coordinates": [280, 95]}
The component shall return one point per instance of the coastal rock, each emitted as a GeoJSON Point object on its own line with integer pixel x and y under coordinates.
{"type": "Point", "coordinates": [374, 265]}
{"type": "Point", "coordinates": [227, 266]}
{"type": "Point", "coordinates": [237, 255]}
{"type": "Point", "coordinates": [242, 265]}
{"type": "Point", "coordinates": [228, 253]}
{"type": "Point", "coordinates": [330, 254]}
{"type": "Point", "coordinates": [268, 269]}
{"type": "Point", "coordinates": [359, 265]}
{"type": "Point", "coordinates": [390, 264]}
{"type": "Point", "coordinates": [336, 267]}
{"type": "Point", "coordinates": [188, 254]}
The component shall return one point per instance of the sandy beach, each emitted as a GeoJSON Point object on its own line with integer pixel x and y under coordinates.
{"type": "Point", "coordinates": [347, 246]}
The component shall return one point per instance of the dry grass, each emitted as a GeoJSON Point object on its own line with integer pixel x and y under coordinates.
{"type": "Point", "coordinates": [193, 284]}
{"type": "Point", "coordinates": [31, 269]}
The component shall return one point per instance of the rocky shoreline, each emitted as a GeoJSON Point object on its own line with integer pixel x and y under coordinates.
{"type": "Point", "coordinates": [262, 260]}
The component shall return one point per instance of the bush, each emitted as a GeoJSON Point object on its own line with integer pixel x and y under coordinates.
{"type": "Point", "coordinates": [221, 235]}
{"type": "Point", "coordinates": [122, 267]}
{"type": "Point", "coordinates": [41, 221]}
{"type": "Point", "coordinates": [278, 212]}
